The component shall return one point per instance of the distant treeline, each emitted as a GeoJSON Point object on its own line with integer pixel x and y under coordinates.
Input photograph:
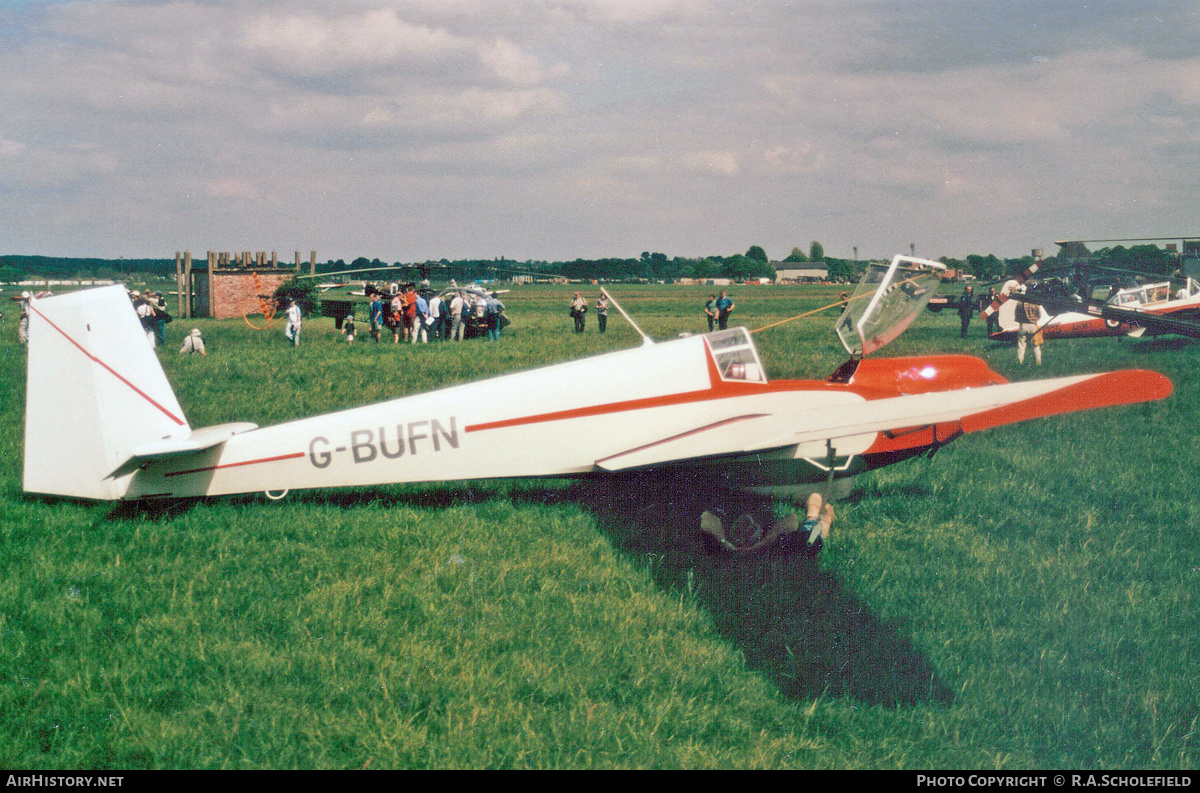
{"type": "Point", "coordinates": [16, 267]}
{"type": "Point", "coordinates": [649, 266]}
{"type": "Point", "coordinates": [1148, 259]}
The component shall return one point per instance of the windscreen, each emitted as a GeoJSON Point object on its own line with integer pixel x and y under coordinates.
{"type": "Point", "coordinates": [735, 356]}
{"type": "Point", "coordinates": [885, 302]}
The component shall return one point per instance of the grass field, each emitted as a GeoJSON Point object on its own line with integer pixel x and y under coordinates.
{"type": "Point", "coordinates": [1027, 598]}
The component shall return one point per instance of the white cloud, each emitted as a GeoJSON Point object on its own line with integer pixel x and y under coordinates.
{"type": "Point", "coordinates": [230, 188]}
{"type": "Point", "coordinates": [52, 166]}
{"type": "Point", "coordinates": [448, 112]}
{"type": "Point", "coordinates": [377, 40]}
{"type": "Point", "coordinates": [714, 163]}
{"type": "Point", "coordinates": [312, 44]}
{"type": "Point", "coordinates": [510, 63]}
{"type": "Point", "coordinates": [622, 119]}
{"type": "Point", "coordinates": [11, 149]}
{"type": "Point", "coordinates": [631, 12]}
{"type": "Point", "coordinates": [798, 158]}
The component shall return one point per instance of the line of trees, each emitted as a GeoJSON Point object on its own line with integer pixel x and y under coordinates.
{"type": "Point", "coordinates": [650, 266]}
{"type": "Point", "coordinates": [15, 268]}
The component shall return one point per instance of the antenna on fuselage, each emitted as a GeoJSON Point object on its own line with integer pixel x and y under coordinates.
{"type": "Point", "coordinates": [645, 339]}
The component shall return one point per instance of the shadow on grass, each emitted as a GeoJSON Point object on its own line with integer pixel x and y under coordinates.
{"type": "Point", "coordinates": [429, 496]}
{"type": "Point", "coordinates": [1159, 344]}
{"type": "Point", "coordinates": [913, 490]}
{"type": "Point", "coordinates": [794, 622]}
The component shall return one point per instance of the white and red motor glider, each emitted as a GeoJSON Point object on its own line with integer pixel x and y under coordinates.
{"type": "Point", "coordinates": [103, 423]}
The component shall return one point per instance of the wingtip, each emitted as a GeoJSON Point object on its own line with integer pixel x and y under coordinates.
{"type": "Point", "coordinates": [1141, 385]}
{"type": "Point", "coordinates": [1109, 389]}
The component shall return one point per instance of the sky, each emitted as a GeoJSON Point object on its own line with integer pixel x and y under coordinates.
{"type": "Point", "coordinates": [563, 129]}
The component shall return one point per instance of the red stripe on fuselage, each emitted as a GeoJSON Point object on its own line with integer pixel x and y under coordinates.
{"type": "Point", "coordinates": [235, 465]}
{"type": "Point", "coordinates": [875, 379]}
{"type": "Point", "coordinates": [110, 370]}
{"type": "Point", "coordinates": [687, 434]}
{"type": "Point", "coordinates": [717, 388]}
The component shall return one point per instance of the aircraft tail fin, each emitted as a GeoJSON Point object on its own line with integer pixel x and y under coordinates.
{"type": "Point", "coordinates": [95, 392]}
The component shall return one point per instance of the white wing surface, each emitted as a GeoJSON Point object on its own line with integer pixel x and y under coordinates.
{"type": "Point", "coordinates": [976, 408]}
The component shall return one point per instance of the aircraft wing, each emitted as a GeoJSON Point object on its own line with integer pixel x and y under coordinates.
{"type": "Point", "coordinates": [974, 408]}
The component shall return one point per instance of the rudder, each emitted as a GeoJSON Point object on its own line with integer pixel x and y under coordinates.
{"type": "Point", "coordinates": [94, 391]}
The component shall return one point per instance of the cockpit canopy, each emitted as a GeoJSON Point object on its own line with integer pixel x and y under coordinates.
{"type": "Point", "coordinates": [736, 357]}
{"type": "Point", "coordinates": [885, 302]}
{"type": "Point", "coordinates": [1142, 295]}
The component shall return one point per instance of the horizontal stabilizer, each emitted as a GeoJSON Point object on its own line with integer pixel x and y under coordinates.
{"type": "Point", "coordinates": [199, 440]}
{"type": "Point", "coordinates": [976, 408]}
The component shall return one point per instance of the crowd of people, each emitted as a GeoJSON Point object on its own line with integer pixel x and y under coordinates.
{"type": "Point", "coordinates": [152, 312]}
{"type": "Point", "coordinates": [405, 312]}
{"type": "Point", "coordinates": [414, 315]}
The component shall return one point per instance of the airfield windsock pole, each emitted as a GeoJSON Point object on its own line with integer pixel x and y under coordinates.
{"type": "Point", "coordinates": [645, 339]}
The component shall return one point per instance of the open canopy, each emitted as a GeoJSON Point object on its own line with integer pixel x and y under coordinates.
{"type": "Point", "coordinates": [885, 302]}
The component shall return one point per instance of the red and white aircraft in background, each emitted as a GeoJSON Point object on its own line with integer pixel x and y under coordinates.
{"type": "Point", "coordinates": [103, 423]}
{"type": "Point", "coordinates": [1127, 312]}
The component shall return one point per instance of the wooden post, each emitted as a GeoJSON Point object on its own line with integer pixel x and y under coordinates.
{"type": "Point", "coordinates": [178, 284]}
{"type": "Point", "coordinates": [274, 260]}
{"type": "Point", "coordinates": [297, 262]}
{"type": "Point", "coordinates": [185, 291]}
{"type": "Point", "coordinates": [312, 263]}
{"type": "Point", "coordinates": [212, 303]}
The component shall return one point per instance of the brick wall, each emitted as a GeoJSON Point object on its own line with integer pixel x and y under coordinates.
{"type": "Point", "coordinates": [236, 294]}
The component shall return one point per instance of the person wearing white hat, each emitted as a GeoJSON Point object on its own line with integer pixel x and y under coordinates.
{"type": "Point", "coordinates": [193, 343]}
{"type": "Point", "coordinates": [23, 323]}
{"type": "Point", "coordinates": [145, 313]}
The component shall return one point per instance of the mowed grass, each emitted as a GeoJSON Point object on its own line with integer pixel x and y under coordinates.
{"type": "Point", "coordinates": [1026, 598]}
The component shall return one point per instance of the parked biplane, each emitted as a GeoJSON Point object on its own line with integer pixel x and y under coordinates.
{"type": "Point", "coordinates": [103, 423]}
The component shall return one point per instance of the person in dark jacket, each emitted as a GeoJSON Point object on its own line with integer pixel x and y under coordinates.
{"type": "Point", "coordinates": [966, 307]}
